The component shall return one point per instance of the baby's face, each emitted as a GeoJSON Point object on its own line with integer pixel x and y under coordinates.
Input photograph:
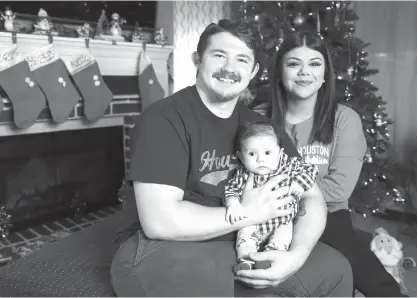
{"type": "Point", "coordinates": [260, 154]}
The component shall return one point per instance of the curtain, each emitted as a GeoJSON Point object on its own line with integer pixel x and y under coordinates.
{"type": "Point", "coordinates": [391, 27]}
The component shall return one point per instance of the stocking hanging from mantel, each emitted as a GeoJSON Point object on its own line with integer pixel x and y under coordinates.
{"type": "Point", "coordinates": [86, 74]}
{"type": "Point", "coordinates": [18, 82]}
{"type": "Point", "coordinates": [52, 76]}
{"type": "Point", "coordinates": [149, 86]}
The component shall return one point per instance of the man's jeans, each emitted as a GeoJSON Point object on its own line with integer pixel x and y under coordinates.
{"type": "Point", "coordinates": [144, 267]}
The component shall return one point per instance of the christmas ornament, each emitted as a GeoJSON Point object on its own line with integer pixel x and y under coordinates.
{"type": "Point", "coordinates": [350, 71]}
{"type": "Point", "coordinates": [299, 20]}
{"type": "Point", "coordinates": [347, 93]}
{"type": "Point", "coordinates": [19, 84]}
{"type": "Point", "coordinates": [398, 198]}
{"type": "Point", "coordinates": [378, 120]}
{"type": "Point", "coordinates": [149, 86]}
{"type": "Point", "coordinates": [368, 158]}
{"type": "Point", "coordinates": [50, 73]}
{"type": "Point", "coordinates": [86, 75]}
{"type": "Point", "coordinates": [4, 222]}
{"type": "Point", "coordinates": [264, 75]}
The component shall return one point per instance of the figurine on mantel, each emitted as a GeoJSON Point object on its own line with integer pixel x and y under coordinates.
{"type": "Point", "coordinates": [139, 35]}
{"type": "Point", "coordinates": [84, 31]}
{"type": "Point", "coordinates": [43, 24]}
{"type": "Point", "coordinates": [115, 31]}
{"type": "Point", "coordinates": [8, 18]}
{"type": "Point", "coordinates": [159, 37]}
{"type": "Point", "coordinates": [115, 25]}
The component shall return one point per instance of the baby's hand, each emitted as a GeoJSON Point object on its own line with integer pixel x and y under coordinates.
{"type": "Point", "coordinates": [235, 212]}
{"type": "Point", "coordinates": [295, 189]}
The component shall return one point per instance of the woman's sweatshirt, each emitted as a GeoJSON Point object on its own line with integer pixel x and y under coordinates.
{"type": "Point", "coordinates": [339, 162]}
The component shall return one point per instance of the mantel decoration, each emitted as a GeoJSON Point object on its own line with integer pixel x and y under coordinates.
{"type": "Point", "coordinates": [43, 25]}
{"type": "Point", "coordinates": [112, 31]}
{"type": "Point", "coordinates": [103, 29]}
{"type": "Point", "coordinates": [84, 31]}
{"type": "Point", "coordinates": [8, 18]}
{"type": "Point", "coordinates": [139, 35]}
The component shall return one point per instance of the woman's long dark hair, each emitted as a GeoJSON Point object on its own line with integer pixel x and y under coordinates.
{"type": "Point", "coordinates": [326, 104]}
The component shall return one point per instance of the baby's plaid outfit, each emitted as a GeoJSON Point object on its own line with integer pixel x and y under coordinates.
{"type": "Point", "coordinates": [296, 170]}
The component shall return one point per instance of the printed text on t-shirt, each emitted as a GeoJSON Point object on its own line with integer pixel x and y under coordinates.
{"type": "Point", "coordinates": [219, 167]}
{"type": "Point", "coordinates": [315, 154]}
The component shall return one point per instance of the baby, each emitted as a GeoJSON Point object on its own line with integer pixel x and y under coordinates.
{"type": "Point", "coordinates": [260, 152]}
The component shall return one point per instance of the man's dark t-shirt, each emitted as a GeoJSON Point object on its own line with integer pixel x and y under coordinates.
{"type": "Point", "coordinates": [177, 141]}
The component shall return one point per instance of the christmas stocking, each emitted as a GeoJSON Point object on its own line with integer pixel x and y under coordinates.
{"type": "Point", "coordinates": [149, 87]}
{"type": "Point", "coordinates": [52, 76]}
{"type": "Point", "coordinates": [86, 75]}
{"type": "Point", "coordinates": [17, 81]}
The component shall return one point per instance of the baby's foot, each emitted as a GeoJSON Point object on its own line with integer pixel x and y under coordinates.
{"type": "Point", "coordinates": [243, 264]}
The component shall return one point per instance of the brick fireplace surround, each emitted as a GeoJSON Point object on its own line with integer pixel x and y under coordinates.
{"type": "Point", "coordinates": [118, 65]}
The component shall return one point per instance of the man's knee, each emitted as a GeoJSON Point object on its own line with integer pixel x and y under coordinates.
{"type": "Point", "coordinates": [327, 273]}
{"type": "Point", "coordinates": [341, 273]}
{"type": "Point", "coordinates": [123, 278]}
{"type": "Point", "coordinates": [175, 269]}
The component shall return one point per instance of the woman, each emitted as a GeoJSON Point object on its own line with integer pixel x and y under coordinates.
{"type": "Point", "coordinates": [330, 135]}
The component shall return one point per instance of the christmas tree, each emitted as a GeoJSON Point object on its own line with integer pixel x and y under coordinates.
{"type": "Point", "coordinates": [335, 21]}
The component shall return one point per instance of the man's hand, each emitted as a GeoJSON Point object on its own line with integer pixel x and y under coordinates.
{"type": "Point", "coordinates": [261, 203]}
{"type": "Point", "coordinates": [234, 211]}
{"type": "Point", "coordinates": [283, 265]}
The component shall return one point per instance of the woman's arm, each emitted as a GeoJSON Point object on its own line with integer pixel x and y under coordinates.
{"type": "Point", "coordinates": [346, 163]}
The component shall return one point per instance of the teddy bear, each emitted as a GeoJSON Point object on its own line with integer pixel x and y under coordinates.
{"type": "Point", "coordinates": [389, 251]}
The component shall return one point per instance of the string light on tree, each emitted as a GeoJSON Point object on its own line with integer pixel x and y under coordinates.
{"type": "Point", "coordinates": [299, 20]}
{"type": "Point", "coordinates": [5, 218]}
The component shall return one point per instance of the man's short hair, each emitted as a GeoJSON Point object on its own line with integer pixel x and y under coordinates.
{"type": "Point", "coordinates": [241, 28]}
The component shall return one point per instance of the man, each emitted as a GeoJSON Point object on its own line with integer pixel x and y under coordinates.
{"type": "Point", "coordinates": [181, 159]}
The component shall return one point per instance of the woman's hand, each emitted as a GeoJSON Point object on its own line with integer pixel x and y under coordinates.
{"type": "Point", "coordinates": [283, 265]}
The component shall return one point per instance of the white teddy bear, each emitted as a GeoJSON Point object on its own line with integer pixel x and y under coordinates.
{"type": "Point", "coordinates": [389, 252]}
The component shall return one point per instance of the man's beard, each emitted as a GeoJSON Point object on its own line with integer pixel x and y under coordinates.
{"type": "Point", "coordinates": [228, 96]}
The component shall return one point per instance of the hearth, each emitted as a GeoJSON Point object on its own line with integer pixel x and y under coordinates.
{"type": "Point", "coordinates": [47, 176]}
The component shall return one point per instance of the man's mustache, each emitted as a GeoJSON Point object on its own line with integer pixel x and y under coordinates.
{"type": "Point", "coordinates": [227, 75]}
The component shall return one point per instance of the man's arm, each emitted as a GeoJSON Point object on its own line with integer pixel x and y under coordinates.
{"type": "Point", "coordinates": [165, 215]}
{"type": "Point", "coordinates": [309, 227]}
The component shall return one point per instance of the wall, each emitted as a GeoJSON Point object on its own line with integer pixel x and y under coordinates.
{"type": "Point", "coordinates": [184, 21]}
{"type": "Point", "coordinates": [391, 29]}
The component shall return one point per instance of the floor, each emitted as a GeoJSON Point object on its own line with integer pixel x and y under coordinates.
{"type": "Point", "coordinates": [23, 243]}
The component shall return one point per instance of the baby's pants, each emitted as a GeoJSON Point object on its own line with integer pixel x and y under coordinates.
{"type": "Point", "coordinates": [279, 238]}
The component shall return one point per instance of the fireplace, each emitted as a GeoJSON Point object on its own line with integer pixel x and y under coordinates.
{"type": "Point", "coordinates": [69, 156]}
{"type": "Point", "coordinates": [50, 171]}
{"type": "Point", "coordinates": [48, 176]}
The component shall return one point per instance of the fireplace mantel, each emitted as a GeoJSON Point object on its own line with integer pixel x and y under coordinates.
{"type": "Point", "coordinates": [120, 59]}
{"type": "Point", "coordinates": [114, 60]}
